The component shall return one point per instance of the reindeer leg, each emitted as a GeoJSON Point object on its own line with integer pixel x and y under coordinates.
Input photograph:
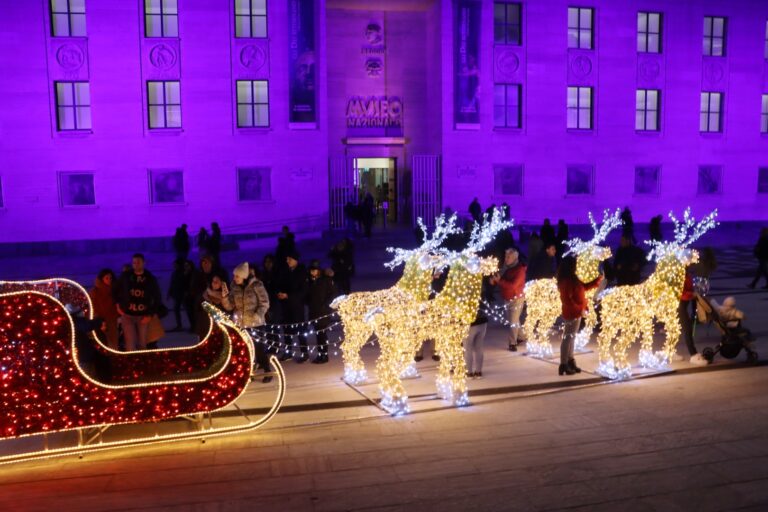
{"type": "Point", "coordinates": [354, 367]}
{"type": "Point", "coordinates": [393, 396]}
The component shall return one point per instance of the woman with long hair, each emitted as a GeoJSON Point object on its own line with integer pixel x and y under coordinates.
{"type": "Point", "coordinates": [575, 307]}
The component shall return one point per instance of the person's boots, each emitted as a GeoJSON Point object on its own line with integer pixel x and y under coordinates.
{"type": "Point", "coordinates": [565, 369]}
{"type": "Point", "coordinates": [572, 364]}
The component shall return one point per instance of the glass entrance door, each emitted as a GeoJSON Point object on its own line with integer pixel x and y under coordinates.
{"type": "Point", "coordinates": [377, 177]}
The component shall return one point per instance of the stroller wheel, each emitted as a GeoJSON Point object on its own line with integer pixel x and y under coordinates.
{"type": "Point", "coordinates": [752, 357]}
{"type": "Point", "coordinates": [708, 354]}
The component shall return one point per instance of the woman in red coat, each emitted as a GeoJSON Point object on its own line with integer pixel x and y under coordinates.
{"type": "Point", "coordinates": [574, 307]}
{"type": "Point", "coordinates": [102, 296]}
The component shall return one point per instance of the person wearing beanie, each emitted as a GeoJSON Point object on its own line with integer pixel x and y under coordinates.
{"type": "Point", "coordinates": [250, 302]}
{"type": "Point", "coordinates": [320, 292]}
{"type": "Point", "coordinates": [291, 293]}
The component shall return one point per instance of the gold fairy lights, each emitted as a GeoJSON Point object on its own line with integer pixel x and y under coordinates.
{"type": "Point", "coordinates": [628, 312]}
{"type": "Point", "coordinates": [543, 298]}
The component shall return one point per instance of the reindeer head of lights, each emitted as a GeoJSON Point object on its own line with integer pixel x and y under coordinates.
{"type": "Point", "coordinates": [628, 312]}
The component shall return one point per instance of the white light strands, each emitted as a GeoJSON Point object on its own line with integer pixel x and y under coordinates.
{"type": "Point", "coordinates": [628, 312]}
{"type": "Point", "coordinates": [403, 324]}
{"type": "Point", "coordinates": [543, 298]}
{"type": "Point", "coordinates": [356, 308]}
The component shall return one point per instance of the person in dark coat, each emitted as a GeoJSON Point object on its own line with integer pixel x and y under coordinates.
{"type": "Point", "coordinates": [181, 243]}
{"type": "Point", "coordinates": [367, 214]}
{"type": "Point", "coordinates": [547, 233]}
{"type": "Point", "coordinates": [561, 237]}
{"type": "Point", "coordinates": [214, 243]}
{"type": "Point", "coordinates": [179, 291]}
{"type": "Point", "coordinates": [475, 340]}
{"type": "Point", "coordinates": [138, 300]}
{"type": "Point", "coordinates": [475, 210]}
{"type": "Point", "coordinates": [628, 225]}
{"type": "Point", "coordinates": [628, 262]}
{"type": "Point", "coordinates": [286, 244]}
{"type": "Point", "coordinates": [654, 229]}
{"type": "Point", "coordinates": [320, 292]}
{"type": "Point", "coordinates": [761, 253]}
{"type": "Point", "coordinates": [202, 241]}
{"type": "Point", "coordinates": [544, 264]}
{"type": "Point", "coordinates": [343, 264]}
{"type": "Point", "coordinates": [270, 278]}
{"type": "Point", "coordinates": [291, 293]}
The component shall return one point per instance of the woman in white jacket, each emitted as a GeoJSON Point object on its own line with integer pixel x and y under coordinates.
{"type": "Point", "coordinates": [251, 303]}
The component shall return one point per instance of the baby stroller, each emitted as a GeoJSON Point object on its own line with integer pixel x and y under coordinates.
{"type": "Point", "coordinates": [732, 340]}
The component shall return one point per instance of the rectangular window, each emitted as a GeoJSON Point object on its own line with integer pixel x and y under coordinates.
{"type": "Point", "coordinates": [166, 187]}
{"type": "Point", "coordinates": [647, 180]}
{"type": "Point", "coordinates": [73, 106]}
{"type": "Point", "coordinates": [709, 179]}
{"type": "Point", "coordinates": [579, 108]}
{"type": "Point", "coordinates": [580, 23]}
{"type": "Point", "coordinates": [580, 180]}
{"type": "Point", "coordinates": [507, 23]}
{"type": "Point", "coordinates": [68, 18]}
{"type": "Point", "coordinates": [711, 109]}
{"type": "Point", "coordinates": [762, 181]}
{"type": "Point", "coordinates": [250, 18]}
{"type": "Point", "coordinates": [252, 103]}
{"type": "Point", "coordinates": [714, 36]}
{"type": "Point", "coordinates": [507, 106]}
{"type": "Point", "coordinates": [766, 39]}
{"type": "Point", "coordinates": [2, 204]}
{"type": "Point", "coordinates": [647, 107]}
{"type": "Point", "coordinates": [508, 180]}
{"type": "Point", "coordinates": [76, 189]}
{"type": "Point", "coordinates": [254, 184]}
{"type": "Point", "coordinates": [161, 18]}
{"type": "Point", "coordinates": [649, 32]}
{"type": "Point", "coordinates": [764, 115]}
{"type": "Point", "coordinates": [164, 102]}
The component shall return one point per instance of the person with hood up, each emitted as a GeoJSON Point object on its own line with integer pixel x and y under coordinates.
{"type": "Point", "coordinates": [250, 302]}
{"type": "Point", "coordinates": [104, 307]}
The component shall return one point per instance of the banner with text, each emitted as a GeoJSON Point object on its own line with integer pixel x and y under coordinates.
{"type": "Point", "coordinates": [466, 50]}
{"type": "Point", "coordinates": [302, 99]}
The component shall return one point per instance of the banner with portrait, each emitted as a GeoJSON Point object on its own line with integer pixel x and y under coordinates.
{"type": "Point", "coordinates": [466, 52]}
{"type": "Point", "coordinates": [302, 99]}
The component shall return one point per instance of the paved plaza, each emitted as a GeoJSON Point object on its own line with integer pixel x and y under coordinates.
{"type": "Point", "coordinates": [690, 438]}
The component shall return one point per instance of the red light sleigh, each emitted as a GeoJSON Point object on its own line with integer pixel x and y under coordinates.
{"type": "Point", "coordinates": [45, 389]}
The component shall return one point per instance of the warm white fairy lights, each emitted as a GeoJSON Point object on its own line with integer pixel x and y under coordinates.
{"type": "Point", "coordinates": [542, 297]}
{"type": "Point", "coordinates": [405, 322]}
{"type": "Point", "coordinates": [628, 312]}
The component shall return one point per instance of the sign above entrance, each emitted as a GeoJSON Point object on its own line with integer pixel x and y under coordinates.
{"type": "Point", "coordinates": [375, 112]}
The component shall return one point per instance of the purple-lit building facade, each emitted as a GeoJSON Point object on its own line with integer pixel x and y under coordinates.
{"type": "Point", "coordinates": [126, 118]}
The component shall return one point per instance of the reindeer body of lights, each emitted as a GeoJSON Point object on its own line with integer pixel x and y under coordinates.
{"type": "Point", "coordinates": [628, 312]}
{"type": "Point", "coordinates": [415, 284]}
{"type": "Point", "coordinates": [402, 327]}
{"type": "Point", "coordinates": [543, 298]}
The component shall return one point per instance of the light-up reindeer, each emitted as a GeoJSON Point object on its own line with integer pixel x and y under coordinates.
{"type": "Point", "coordinates": [416, 283]}
{"type": "Point", "coordinates": [543, 298]}
{"type": "Point", "coordinates": [628, 312]}
{"type": "Point", "coordinates": [403, 327]}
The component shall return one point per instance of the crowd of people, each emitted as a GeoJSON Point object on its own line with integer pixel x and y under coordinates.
{"type": "Point", "coordinates": [281, 291]}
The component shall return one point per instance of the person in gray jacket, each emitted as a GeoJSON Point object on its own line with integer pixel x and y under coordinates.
{"type": "Point", "coordinates": [251, 302]}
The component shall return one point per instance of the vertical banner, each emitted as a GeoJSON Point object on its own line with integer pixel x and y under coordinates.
{"type": "Point", "coordinates": [302, 100]}
{"type": "Point", "coordinates": [466, 52]}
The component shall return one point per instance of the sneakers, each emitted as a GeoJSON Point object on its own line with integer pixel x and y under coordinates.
{"type": "Point", "coordinates": [513, 348]}
{"type": "Point", "coordinates": [267, 379]}
{"type": "Point", "coordinates": [678, 357]}
{"type": "Point", "coordinates": [698, 360]}
{"type": "Point", "coordinates": [475, 375]}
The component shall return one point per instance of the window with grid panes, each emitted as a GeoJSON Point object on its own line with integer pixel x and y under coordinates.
{"type": "Point", "coordinates": [579, 115]}
{"type": "Point", "coordinates": [73, 106]}
{"type": "Point", "coordinates": [250, 18]}
{"type": "Point", "coordinates": [649, 32]}
{"type": "Point", "coordinates": [507, 23]}
{"type": "Point", "coordinates": [764, 115]}
{"type": "Point", "coordinates": [68, 18]}
{"type": "Point", "coordinates": [710, 112]}
{"type": "Point", "coordinates": [580, 27]}
{"type": "Point", "coordinates": [647, 108]}
{"type": "Point", "coordinates": [252, 103]}
{"type": "Point", "coordinates": [161, 18]}
{"type": "Point", "coordinates": [164, 104]}
{"type": "Point", "coordinates": [714, 36]}
{"type": "Point", "coordinates": [507, 106]}
{"type": "Point", "coordinates": [710, 179]}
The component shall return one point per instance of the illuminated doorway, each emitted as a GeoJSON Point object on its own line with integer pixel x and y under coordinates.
{"type": "Point", "coordinates": [378, 177]}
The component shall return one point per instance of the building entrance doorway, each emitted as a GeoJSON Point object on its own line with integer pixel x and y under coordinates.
{"type": "Point", "coordinates": [378, 177]}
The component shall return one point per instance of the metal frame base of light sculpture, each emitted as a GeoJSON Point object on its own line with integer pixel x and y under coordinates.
{"type": "Point", "coordinates": [404, 325]}
{"type": "Point", "coordinates": [46, 389]}
{"type": "Point", "coordinates": [628, 312]}
{"type": "Point", "coordinates": [415, 282]}
{"type": "Point", "coordinates": [542, 297]}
